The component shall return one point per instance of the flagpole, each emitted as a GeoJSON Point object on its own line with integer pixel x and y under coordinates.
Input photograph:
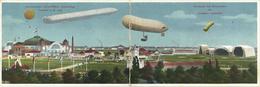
{"type": "Point", "coordinates": [61, 60]}
{"type": "Point", "coordinates": [49, 64]}
{"type": "Point", "coordinates": [73, 61]}
{"type": "Point", "coordinates": [86, 64]}
{"type": "Point", "coordinates": [33, 64]}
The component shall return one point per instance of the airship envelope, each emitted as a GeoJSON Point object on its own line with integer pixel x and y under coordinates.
{"type": "Point", "coordinates": [142, 24]}
{"type": "Point", "coordinates": [77, 15]}
{"type": "Point", "coordinates": [208, 26]}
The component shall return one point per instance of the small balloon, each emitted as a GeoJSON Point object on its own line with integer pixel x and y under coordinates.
{"type": "Point", "coordinates": [29, 14]}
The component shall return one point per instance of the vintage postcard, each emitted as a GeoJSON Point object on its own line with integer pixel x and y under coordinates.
{"type": "Point", "coordinates": [129, 43]}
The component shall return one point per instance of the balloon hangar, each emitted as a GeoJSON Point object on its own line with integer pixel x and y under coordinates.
{"type": "Point", "coordinates": [243, 51]}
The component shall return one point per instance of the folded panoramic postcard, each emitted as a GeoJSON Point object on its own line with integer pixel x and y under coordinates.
{"type": "Point", "coordinates": [129, 43]}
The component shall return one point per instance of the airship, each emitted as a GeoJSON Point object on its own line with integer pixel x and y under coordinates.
{"type": "Point", "coordinates": [144, 25]}
{"type": "Point", "coordinates": [72, 16]}
{"type": "Point", "coordinates": [208, 26]}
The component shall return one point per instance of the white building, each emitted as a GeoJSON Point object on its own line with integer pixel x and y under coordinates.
{"type": "Point", "coordinates": [56, 49]}
{"type": "Point", "coordinates": [211, 51]}
{"type": "Point", "coordinates": [8, 45]}
{"type": "Point", "coordinates": [224, 50]}
{"type": "Point", "coordinates": [179, 51]}
{"type": "Point", "coordinates": [135, 53]}
{"type": "Point", "coordinates": [7, 48]}
{"type": "Point", "coordinates": [244, 51]}
{"type": "Point", "coordinates": [203, 49]}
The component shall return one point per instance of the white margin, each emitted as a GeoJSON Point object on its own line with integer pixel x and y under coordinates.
{"type": "Point", "coordinates": [133, 85]}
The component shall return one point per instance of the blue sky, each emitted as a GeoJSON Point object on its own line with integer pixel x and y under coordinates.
{"type": "Point", "coordinates": [235, 25]}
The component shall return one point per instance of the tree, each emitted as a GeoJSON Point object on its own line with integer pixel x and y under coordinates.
{"type": "Point", "coordinates": [32, 78]}
{"type": "Point", "coordinates": [169, 76]}
{"type": "Point", "coordinates": [6, 75]}
{"type": "Point", "coordinates": [234, 74]}
{"type": "Point", "coordinates": [248, 77]}
{"type": "Point", "coordinates": [217, 67]}
{"type": "Point", "coordinates": [44, 78]}
{"type": "Point", "coordinates": [179, 75]}
{"type": "Point", "coordinates": [252, 69]}
{"type": "Point", "coordinates": [68, 76]}
{"type": "Point", "coordinates": [159, 74]}
{"type": "Point", "coordinates": [135, 64]}
{"type": "Point", "coordinates": [208, 69]}
{"type": "Point", "coordinates": [147, 72]}
{"type": "Point", "coordinates": [91, 77]}
{"type": "Point", "coordinates": [78, 78]}
{"type": "Point", "coordinates": [54, 78]}
{"type": "Point", "coordinates": [17, 76]}
{"type": "Point", "coordinates": [118, 76]}
{"type": "Point", "coordinates": [105, 77]}
{"type": "Point", "coordinates": [194, 75]}
{"type": "Point", "coordinates": [218, 75]}
{"type": "Point", "coordinates": [135, 72]}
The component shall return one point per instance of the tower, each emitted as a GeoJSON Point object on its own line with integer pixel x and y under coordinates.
{"type": "Point", "coordinates": [135, 53]}
{"type": "Point", "coordinates": [65, 44]}
{"type": "Point", "coordinates": [72, 44]}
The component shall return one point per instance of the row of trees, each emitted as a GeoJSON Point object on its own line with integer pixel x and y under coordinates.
{"type": "Point", "coordinates": [19, 76]}
{"type": "Point", "coordinates": [209, 73]}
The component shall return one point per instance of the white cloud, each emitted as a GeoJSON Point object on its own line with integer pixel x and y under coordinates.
{"type": "Point", "coordinates": [12, 20]}
{"type": "Point", "coordinates": [244, 17]}
{"type": "Point", "coordinates": [180, 14]}
{"type": "Point", "coordinates": [203, 23]}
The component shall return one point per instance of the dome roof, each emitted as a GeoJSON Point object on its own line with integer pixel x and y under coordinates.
{"type": "Point", "coordinates": [36, 40]}
{"type": "Point", "coordinates": [227, 48]}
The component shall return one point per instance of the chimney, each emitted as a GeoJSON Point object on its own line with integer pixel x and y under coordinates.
{"type": "Point", "coordinates": [72, 45]}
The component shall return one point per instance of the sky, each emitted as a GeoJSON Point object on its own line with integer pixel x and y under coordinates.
{"type": "Point", "coordinates": [235, 24]}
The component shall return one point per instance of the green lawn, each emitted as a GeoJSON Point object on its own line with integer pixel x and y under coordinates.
{"type": "Point", "coordinates": [223, 60]}
{"type": "Point", "coordinates": [101, 66]}
{"type": "Point", "coordinates": [41, 63]}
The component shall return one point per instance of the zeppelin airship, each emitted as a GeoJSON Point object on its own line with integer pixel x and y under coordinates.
{"type": "Point", "coordinates": [144, 25]}
{"type": "Point", "coordinates": [77, 15]}
{"type": "Point", "coordinates": [208, 26]}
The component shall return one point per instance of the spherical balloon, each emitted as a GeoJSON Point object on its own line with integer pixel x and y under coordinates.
{"type": "Point", "coordinates": [29, 14]}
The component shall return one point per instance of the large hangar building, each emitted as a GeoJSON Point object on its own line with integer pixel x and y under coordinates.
{"type": "Point", "coordinates": [244, 51]}
{"type": "Point", "coordinates": [224, 50]}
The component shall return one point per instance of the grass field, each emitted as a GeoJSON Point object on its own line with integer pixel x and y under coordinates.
{"type": "Point", "coordinates": [41, 63]}
{"type": "Point", "coordinates": [223, 60]}
{"type": "Point", "coordinates": [108, 65]}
